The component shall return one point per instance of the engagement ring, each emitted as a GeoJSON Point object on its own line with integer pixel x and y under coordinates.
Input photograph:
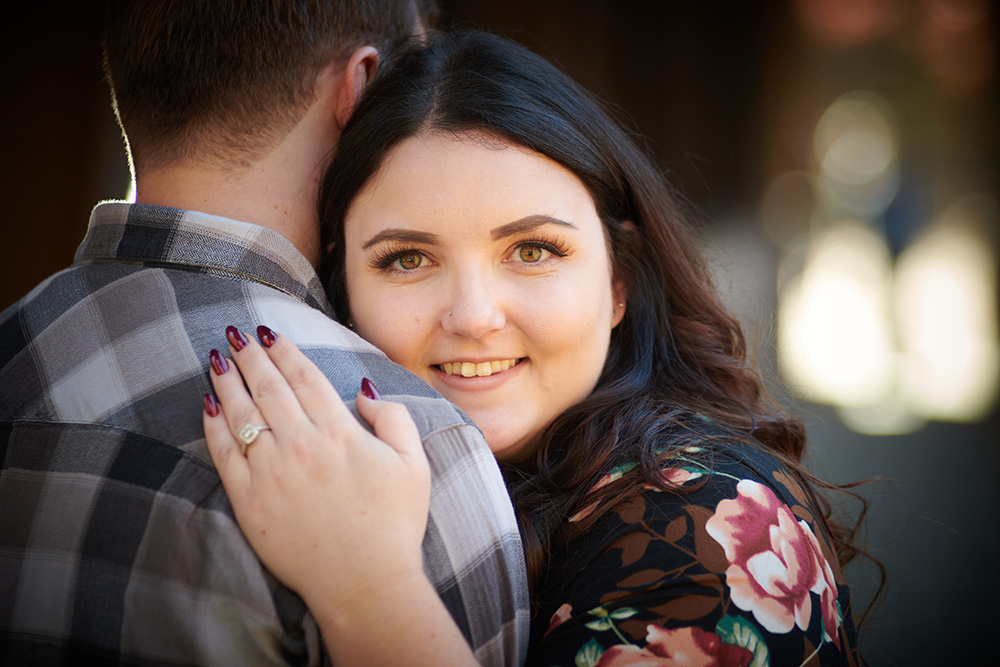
{"type": "Point", "coordinates": [248, 434]}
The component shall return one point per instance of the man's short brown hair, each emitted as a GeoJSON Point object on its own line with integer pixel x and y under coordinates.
{"type": "Point", "coordinates": [225, 80]}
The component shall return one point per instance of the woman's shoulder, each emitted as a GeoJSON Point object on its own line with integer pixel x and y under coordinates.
{"type": "Point", "coordinates": [728, 559]}
{"type": "Point", "coordinates": [697, 478]}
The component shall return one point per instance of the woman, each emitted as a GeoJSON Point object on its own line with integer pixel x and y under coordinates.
{"type": "Point", "coordinates": [493, 231]}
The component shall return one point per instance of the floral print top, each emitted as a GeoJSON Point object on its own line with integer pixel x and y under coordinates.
{"type": "Point", "coordinates": [736, 572]}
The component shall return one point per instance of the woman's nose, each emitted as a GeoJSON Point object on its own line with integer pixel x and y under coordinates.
{"type": "Point", "coordinates": [475, 309]}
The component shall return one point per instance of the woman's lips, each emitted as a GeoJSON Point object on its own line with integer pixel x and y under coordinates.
{"type": "Point", "coordinates": [470, 369]}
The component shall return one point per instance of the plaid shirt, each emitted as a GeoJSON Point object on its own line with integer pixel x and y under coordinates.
{"type": "Point", "coordinates": [117, 540]}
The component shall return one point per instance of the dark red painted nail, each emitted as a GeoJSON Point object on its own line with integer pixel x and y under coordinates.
{"type": "Point", "coordinates": [211, 405]}
{"type": "Point", "coordinates": [236, 338]}
{"type": "Point", "coordinates": [266, 336]}
{"type": "Point", "coordinates": [219, 363]}
{"type": "Point", "coordinates": [369, 389]}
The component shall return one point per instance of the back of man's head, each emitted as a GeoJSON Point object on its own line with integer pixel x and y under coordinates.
{"type": "Point", "coordinates": [223, 81]}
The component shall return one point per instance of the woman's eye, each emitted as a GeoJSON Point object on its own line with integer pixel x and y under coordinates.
{"type": "Point", "coordinates": [530, 253]}
{"type": "Point", "coordinates": [410, 261]}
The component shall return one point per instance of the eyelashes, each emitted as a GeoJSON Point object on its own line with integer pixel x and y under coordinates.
{"type": "Point", "coordinates": [405, 258]}
{"type": "Point", "coordinates": [384, 258]}
{"type": "Point", "coordinates": [554, 246]}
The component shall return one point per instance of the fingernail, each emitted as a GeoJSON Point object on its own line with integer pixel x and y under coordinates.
{"type": "Point", "coordinates": [266, 336]}
{"type": "Point", "coordinates": [211, 405]}
{"type": "Point", "coordinates": [369, 389]}
{"type": "Point", "coordinates": [219, 363]}
{"type": "Point", "coordinates": [236, 338]}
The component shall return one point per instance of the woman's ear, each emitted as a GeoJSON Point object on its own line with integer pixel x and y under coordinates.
{"type": "Point", "coordinates": [358, 73]}
{"type": "Point", "coordinates": [618, 290]}
{"type": "Point", "coordinates": [620, 296]}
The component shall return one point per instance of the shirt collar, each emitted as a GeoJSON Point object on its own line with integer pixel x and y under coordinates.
{"type": "Point", "coordinates": [157, 235]}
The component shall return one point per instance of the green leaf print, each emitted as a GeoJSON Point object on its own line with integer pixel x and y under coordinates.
{"type": "Point", "coordinates": [739, 632]}
{"type": "Point", "coordinates": [600, 625]}
{"type": "Point", "coordinates": [618, 471]}
{"type": "Point", "coordinates": [604, 620]}
{"type": "Point", "coordinates": [589, 654]}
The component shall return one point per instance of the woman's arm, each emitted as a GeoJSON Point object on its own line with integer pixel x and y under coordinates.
{"type": "Point", "coordinates": [336, 513]}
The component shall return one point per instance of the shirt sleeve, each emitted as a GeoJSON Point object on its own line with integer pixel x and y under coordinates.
{"type": "Point", "coordinates": [722, 571]}
{"type": "Point", "coordinates": [472, 548]}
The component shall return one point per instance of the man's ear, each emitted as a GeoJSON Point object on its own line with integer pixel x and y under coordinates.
{"type": "Point", "coordinates": [358, 73]}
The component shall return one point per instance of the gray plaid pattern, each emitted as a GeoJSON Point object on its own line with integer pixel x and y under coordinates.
{"type": "Point", "coordinates": [117, 541]}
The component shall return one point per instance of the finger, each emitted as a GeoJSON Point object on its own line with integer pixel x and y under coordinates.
{"type": "Point", "coordinates": [393, 425]}
{"type": "Point", "coordinates": [313, 390]}
{"type": "Point", "coordinates": [232, 467]}
{"type": "Point", "coordinates": [240, 408]}
{"type": "Point", "coordinates": [270, 393]}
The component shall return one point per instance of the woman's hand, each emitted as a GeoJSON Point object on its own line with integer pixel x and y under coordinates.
{"type": "Point", "coordinates": [336, 513]}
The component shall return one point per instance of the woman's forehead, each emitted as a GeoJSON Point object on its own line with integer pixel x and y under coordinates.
{"type": "Point", "coordinates": [446, 174]}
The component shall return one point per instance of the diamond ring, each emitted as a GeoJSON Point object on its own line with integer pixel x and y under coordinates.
{"type": "Point", "coordinates": [248, 434]}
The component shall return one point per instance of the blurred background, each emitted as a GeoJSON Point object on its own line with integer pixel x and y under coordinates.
{"type": "Point", "coordinates": [840, 159]}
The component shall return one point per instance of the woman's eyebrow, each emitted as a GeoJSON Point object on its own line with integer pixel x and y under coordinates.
{"type": "Point", "coordinates": [510, 229]}
{"type": "Point", "coordinates": [527, 224]}
{"type": "Point", "coordinates": [401, 236]}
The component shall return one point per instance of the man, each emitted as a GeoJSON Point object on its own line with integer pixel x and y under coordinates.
{"type": "Point", "coordinates": [117, 542]}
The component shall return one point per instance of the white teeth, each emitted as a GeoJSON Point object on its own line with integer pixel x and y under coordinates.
{"type": "Point", "coordinates": [484, 369]}
{"type": "Point", "coordinates": [497, 366]}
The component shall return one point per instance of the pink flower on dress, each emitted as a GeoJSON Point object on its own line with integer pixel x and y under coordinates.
{"type": "Point", "coordinates": [674, 477]}
{"type": "Point", "coordinates": [585, 512]}
{"type": "Point", "coordinates": [561, 616]}
{"type": "Point", "coordinates": [682, 647]}
{"type": "Point", "coordinates": [775, 561]}
{"type": "Point", "coordinates": [616, 473]}
{"type": "Point", "coordinates": [679, 476]}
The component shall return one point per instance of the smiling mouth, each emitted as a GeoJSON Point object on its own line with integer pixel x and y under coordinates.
{"type": "Point", "coordinates": [469, 369]}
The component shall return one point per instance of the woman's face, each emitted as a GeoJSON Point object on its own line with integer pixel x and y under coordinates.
{"type": "Point", "coordinates": [483, 268]}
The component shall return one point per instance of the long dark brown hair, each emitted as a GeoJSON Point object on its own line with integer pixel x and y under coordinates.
{"type": "Point", "coordinates": [677, 357]}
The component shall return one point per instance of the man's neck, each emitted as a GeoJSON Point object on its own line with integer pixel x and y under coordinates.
{"type": "Point", "coordinates": [279, 192]}
{"type": "Point", "coordinates": [281, 189]}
